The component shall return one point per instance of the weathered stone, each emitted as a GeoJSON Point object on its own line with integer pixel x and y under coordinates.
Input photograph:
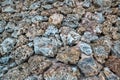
{"type": "Point", "coordinates": [8, 44]}
{"type": "Point", "coordinates": [22, 53]}
{"type": "Point", "coordinates": [114, 64]}
{"type": "Point", "coordinates": [99, 17]}
{"type": "Point", "coordinates": [61, 72]}
{"type": "Point", "coordinates": [69, 36]}
{"type": "Point", "coordinates": [71, 21]}
{"type": "Point", "coordinates": [10, 27]}
{"type": "Point", "coordinates": [65, 9]}
{"type": "Point", "coordinates": [47, 6]}
{"type": "Point", "coordinates": [38, 18]}
{"type": "Point", "coordinates": [56, 18]}
{"type": "Point", "coordinates": [116, 49]}
{"type": "Point", "coordinates": [85, 48]}
{"type": "Point", "coordinates": [5, 60]}
{"type": "Point", "coordinates": [70, 55]}
{"type": "Point", "coordinates": [22, 40]}
{"type": "Point", "coordinates": [38, 64]}
{"type": "Point", "coordinates": [110, 75]}
{"type": "Point", "coordinates": [35, 5]}
{"type": "Point", "coordinates": [89, 66]}
{"type": "Point", "coordinates": [46, 46]}
{"type": "Point", "coordinates": [2, 25]}
{"type": "Point", "coordinates": [8, 9]}
{"type": "Point", "coordinates": [100, 54]}
{"type": "Point", "coordinates": [79, 10]}
{"type": "Point", "coordinates": [88, 37]}
{"type": "Point", "coordinates": [87, 3]}
{"type": "Point", "coordinates": [70, 3]}
{"type": "Point", "coordinates": [51, 31]}
{"type": "Point", "coordinates": [18, 73]}
{"type": "Point", "coordinates": [34, 77]}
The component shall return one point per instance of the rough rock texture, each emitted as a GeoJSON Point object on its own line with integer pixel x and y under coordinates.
{"type": "Point", "coordinates": [89, 66]}
{"type": "Point", "coordinates": [20, 72]}
{"type": "Point", "coordinates": [69, 36]}
{"type": "Point", "coordinates": [69, 55]}
{"type": "Point", "coordinates": [38, 64]}
{"type": "Point", "coordinates": [114, 64]}
{"type": "Point", "coordinates": [22, 53]}
{"type": "Point", "coordinates": [46, 46]}
{"type": "Point", "coordinates": [56, 18]}
{"type": "Point", "coordinates": [8, 44]}
{"type": "Point", "coordinates": [59, 39]}
{"type": "Point", "coordinates": [100, 54]}
{"type": "Point", "coordinates": [110, 75]}
{"type": "Point", "coordinates": [85, 48]}
{"type": "Point", "coordinates": [61, 72]}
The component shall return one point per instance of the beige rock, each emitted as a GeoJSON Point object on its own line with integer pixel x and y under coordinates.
{"type": "Point", "coordinates": [22, 53]}
{"type": "Point", "coordinates": [38, 64]}
{"type": "Point", "coordinates": [56, 18]}
{"type": "Point", "coordinates": [70, 55]}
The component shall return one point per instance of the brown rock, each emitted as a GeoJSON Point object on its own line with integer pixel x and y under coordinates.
{"type": "Point", "coordinates": [114, 64]}
{"type": "Point", "coordinates": [22, 53]}
{"type": "Point", "coordinates": [38, 64]}
{"type": "Point", "coordinates": [56, 18]}
{"type": "Point", "coordinates": [21, 41]}
{"type": "Point", "coordinates": [110, 75]}
{"type": "Point", "coordinates": [61, 72]}
{"type": "Point", "coordinates": [70, 55]}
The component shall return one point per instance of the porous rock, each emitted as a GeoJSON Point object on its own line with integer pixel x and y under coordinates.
{"type": "Point", "coordinates": [38, 64]}
{"type": "Point", "coordinates": [70, 55]}
{"type": "Point", "coordinates": [62, 72]}
{"type": "Point", "coordinates": [22, 53]}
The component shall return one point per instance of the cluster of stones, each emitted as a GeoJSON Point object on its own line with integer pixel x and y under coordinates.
{"type": "Point", "coordinates": [60, 40]}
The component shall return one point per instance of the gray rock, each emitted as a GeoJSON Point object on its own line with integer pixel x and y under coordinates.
{"type": "Point", "coordinates": [38, 18]}
{"type": "Point", "coordinates": [69, 36]}
{"type": "Point", "coordinates": [8, 9]}
{"type": "Point", "coordinates": [85, 48]}
{"type": "Point", "coordinates": [100, 54]}
{"type": "Point", "coordinates": [46, 46]}
{"type": "Point", "coordinates": [70, 3]}
{"type": "Point", "coordinates": [7, 2]}
{"type": "Point", "coordinates": [110, 75]}
{"type": "Point", "coordinates": [30, 44]}
{"type": "Point", "coordinates": [98, 2]}
{"type": "Point", "coordinates": [71, 21]}
{"type": "Point", "coordinates": [88, 37]}
{"type": "Point", "coordinates": [49, 1]}
{"type": "Point", "coordinates": [34, 5]}
{"type": "Point", "coordinates": [5, 60]}
{"type": "Point", "coordinates": [51, 31]}
{"type": "Point", "coordinates": [8, 44]}
{"type": "Point", "coordinates": [2, 25]}
{"type": "Point", "coordinates": [89, 66]}
{"type": "Point", "coordinates": [47, 6]}
{"type": "Point", "coordinates": [116, 49]}
{"type": "Point", "coordinates": [34, 77]}
{"type": "Point", "coordinates": [100, 18]}
{"type": "Point", "coordinates": [10, 27]}
{"type": "Point", "coordinates": [87, 3]}
{"type": "Point", "coordinates": [73, 24]}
